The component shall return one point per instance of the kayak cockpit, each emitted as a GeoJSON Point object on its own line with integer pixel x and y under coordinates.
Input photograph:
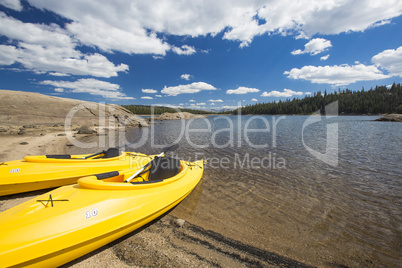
{"type": "Point", "coordinates": [163, 170]}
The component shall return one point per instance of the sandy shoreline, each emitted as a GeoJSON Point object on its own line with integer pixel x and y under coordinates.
{"type": "Point", "coordinates": [160, 243]}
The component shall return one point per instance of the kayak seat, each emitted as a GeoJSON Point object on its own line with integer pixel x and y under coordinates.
{"type": "Point", "coordinates": [163, 168]}
{"type": "Point", "coordinates": [111, 152]}
{"type": "Point", "coordinates": [58, 156]}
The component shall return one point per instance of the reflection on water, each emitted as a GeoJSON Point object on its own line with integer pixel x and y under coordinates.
{"type": "Point", "coordinates": [290, 202]}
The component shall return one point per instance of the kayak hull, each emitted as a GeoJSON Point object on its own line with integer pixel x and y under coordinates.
{"type": "Point", "coordinates": [38, 172]}
{"type": "Point", "coordinates": [82, 219]}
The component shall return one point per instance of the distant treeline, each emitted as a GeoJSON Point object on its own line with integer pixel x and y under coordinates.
{"type": "Point", "coordinates": [374, 101]}
{"type": "Point", "coordinates": [147, 109]}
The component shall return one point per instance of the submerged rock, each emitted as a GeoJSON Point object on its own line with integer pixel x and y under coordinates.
{"type": "Point", "coordinates": [179, 222]}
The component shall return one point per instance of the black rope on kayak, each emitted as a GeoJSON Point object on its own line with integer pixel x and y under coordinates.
{"type": "Point", "coordinates": [51, 200]}
{"type": "Point", "coordinates": [3, 163]}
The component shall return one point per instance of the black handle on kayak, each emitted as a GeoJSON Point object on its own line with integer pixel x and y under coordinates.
{"type": "Point", "coordinates": [102, 176]}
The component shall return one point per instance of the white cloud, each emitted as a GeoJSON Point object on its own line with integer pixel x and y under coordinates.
{"type": "Point", "coordinates": [159, 96]}
{"type": "Point", "coordinates": [314, 47]}
{"type": "Point", "coordinates": [316, 16]}
{"type": "Point", "coordinates": [56, 60]}
{"type": "Point", "coordinates": [42, 49]}
{"type": "Point", "coordinates": [131, 27]}
{"type": "Point", "coordinates": [390, 60]}
{"type": "Point", "coordinates": [324, 57]}
{"type": "Point", "coordinates": [185, 76]}
{"type": "Point", "coordinates": [147, 98]}
{"type": "Point", "coordinates": [245, 30]}
{"type": "Point", "coordinates": [94, 31]}
{"type": "Point", "coordinates": [8, 55]}
{"type": "Point", "coordinates": [218, 100]}
{"type": "Point", "coordinates": [191, 100]}
{"type": "Point", "coordinates": [308, 93]}
{"type": "Point", "coordinates": [336, 75]}
{"type": "Point", "coordinates": [201, 104]}
{"type": "Point", "coordinates": [190, 88]}
{"type": "Point", "coordinates": [58, 74]}
{"type": "Point", "coordinates": [58, 89]}
{"type": "Point", "coordinates": [12, 4]}
{"type": "Point", "coordinates": [91, 86]}
{"type": "Point", "coordinates": [286, 93]}
{"type": "Point", "coordinates": [242, 90]}
{"type": "Point", "coordinates": [140, 27]}
{"type": "Point", "coordinates": [40, 34]}
{"type": "Point", "coordinates": [254, 99]}
{"type": "Point", "coordinates": [150, 91]}
{"type": "Point", "coordinates": [184, 50]}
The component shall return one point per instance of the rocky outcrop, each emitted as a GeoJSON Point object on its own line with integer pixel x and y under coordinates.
{"type": "Point", "coordinates": [391, 117]}
{"type": "Point", "coordinates": [32, 109]}
{"type": "Point", "coordinates": [175, 116]}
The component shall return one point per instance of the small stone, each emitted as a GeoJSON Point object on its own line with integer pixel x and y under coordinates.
{"type": "Point", "coordinates": [69, 144]}
{"type": "Point", "coordinates": [24, 143]}
{"type": "Point", "coordinates": [179, 222]}
{"type": "Point", "coordinates": [61, 134]}
{"type": "Point", "coordinates": [86, 130]}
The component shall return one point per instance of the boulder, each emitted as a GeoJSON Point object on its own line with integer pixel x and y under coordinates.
{"type": "Point", "coordinates": [86, 130]}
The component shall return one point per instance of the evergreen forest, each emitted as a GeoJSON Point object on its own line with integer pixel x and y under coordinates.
{"type": "Point", "coordinates": [379, 100]}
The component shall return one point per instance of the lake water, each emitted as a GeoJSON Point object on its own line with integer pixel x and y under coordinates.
{"type": "Point", "coordinates": [326, 193]}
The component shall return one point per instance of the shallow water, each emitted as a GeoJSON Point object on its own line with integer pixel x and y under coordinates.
{"type": "Point", "coordinates": [265, 188]}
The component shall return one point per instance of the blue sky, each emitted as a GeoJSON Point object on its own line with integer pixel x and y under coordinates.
{"type": "Point", "coordinates": [198, 54]}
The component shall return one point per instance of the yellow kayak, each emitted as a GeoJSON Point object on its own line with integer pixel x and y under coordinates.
{"type": "Point", "coordinates": [68, 222]}
{"type": "Point", "coordinates": [47, 171]}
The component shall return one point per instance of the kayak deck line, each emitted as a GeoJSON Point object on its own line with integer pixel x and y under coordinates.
{"type": "Point", "coordinates": [51, 200]}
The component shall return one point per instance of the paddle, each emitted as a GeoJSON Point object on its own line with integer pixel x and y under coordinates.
{"type": "Point", "coordinates": [164, 150]}
{"type": "Point", "coordinates": [92, 155]}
